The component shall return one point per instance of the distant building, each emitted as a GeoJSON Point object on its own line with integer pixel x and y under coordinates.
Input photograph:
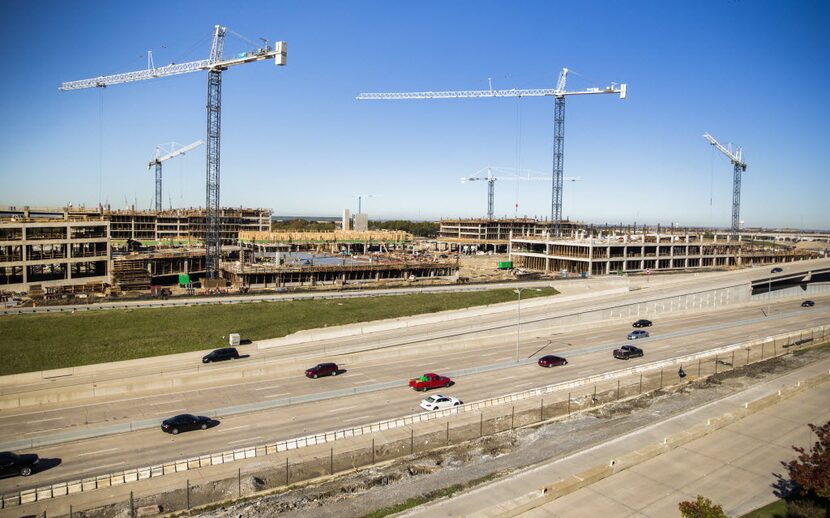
{"type": "Point", "coordinates": [492, 234]}
{"type": "Point", "coordinates": [361, 222]}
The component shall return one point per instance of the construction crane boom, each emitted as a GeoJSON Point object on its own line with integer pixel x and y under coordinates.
{"type": "Point", "coordinates": [173, 152]}
{"type": "Point", "coordinates": [559, 93]}
{"type": "Point", "coordinates": [491, 182]}
{"type": "Point", "coordinates": [739, 166]}
{"type": "Point", "coordinates": [215, 64]}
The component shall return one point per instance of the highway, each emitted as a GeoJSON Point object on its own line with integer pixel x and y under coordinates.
{"type": "Point", "coordinates": [587, 349]}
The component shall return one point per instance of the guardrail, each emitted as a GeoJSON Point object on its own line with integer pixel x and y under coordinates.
{"type": "Point", "coordinates": [807, 336]}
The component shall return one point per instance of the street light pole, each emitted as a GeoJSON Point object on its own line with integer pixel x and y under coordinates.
{"type": "Point", "coordinates": [519, 317]}
{"type": "Point", "coordinates": [769, 293]}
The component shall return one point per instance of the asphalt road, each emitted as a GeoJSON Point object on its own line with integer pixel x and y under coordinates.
{"type": "Point", "coordinates": [587, 349]}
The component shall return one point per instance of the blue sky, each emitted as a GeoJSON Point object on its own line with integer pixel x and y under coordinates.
{"type": "Point", "coordinates": [294, 139]}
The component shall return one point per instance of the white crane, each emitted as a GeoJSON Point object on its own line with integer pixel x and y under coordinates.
{"type": "Point", "coordinates": [170, 152]}
{"type": "Point", "coordinates": [491, 181]}
{"type": "Point", "coordinates": [214, 65]}
{"type": "Point", "coordinates": [559, 93]}
{"type": "Point", "coordinates": [739, 167]}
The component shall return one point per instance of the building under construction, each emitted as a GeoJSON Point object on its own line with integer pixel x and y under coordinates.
{"type": "Point", "coordinates": [150, 226]}
{"type": "Point", "coordinates": [492, 234]}
{"type": "Point", "coordinates": [641, 253]}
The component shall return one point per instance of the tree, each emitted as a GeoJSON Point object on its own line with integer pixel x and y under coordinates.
{"type": "Point", "coordinates": [701, 508]}
{"type": "Point", "coordinates": [810, 472]}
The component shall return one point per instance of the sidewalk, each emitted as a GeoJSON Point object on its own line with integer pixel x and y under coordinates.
{"type": "Point", "coordinates": [733, 465]}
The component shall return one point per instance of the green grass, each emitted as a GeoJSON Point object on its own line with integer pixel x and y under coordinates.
{"type": "Point", "coordinates": [50, 341]}
{"type": "Point", "coordinates": [776, 509]}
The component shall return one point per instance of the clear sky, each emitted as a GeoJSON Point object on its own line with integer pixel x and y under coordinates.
{"type": "Point", "coordinates": [294, 139]}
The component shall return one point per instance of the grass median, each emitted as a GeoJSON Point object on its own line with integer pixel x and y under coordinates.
{"type": "Point", "coordinates": [51, 341]}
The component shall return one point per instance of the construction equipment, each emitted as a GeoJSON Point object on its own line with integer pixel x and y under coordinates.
{"type": "Point", "coordinates": [170, 152]}
{"type": "Point", "coordinates": [739, 167]}
{"type": "Point", "coordinates": [491, 181]}
{"type": "Point", "coordinates": [559, 93]}
{"type": "Point", "coordinates": [215, 64]}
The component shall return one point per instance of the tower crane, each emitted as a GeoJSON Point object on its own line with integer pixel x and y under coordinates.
{"type": "Point", "coordinates": [360, 200]}
{"type": "Point", "coordinates": [559, 93]}
{"type": "Point", "coordinates": [491, 182]}
{"type": "Point", "coordinates": [739, 166]}
{"type": "Point", "coordinates": [215, 64]}
{"type": "Point", "coordinates": [170, 152]}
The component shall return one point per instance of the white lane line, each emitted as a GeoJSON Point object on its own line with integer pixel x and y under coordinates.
{"type": "Point", "coordinates": [42, 431]}
{"type": "Point", "coordinates": [44, 420]}
{"type": "Point", "coordinates": [245, 440]}
{"type": "Point", "coordinates": [492, 354]}
{"type": "Point", "coordinates": [365, 382]}
{"type": "Point", "coordinates": [234, 428]}
{"type": "Point", "coordinates": [342, 408]}
{"type": "Point", "coordinates": [271, 396]}
{"type": "Point", "coordinates": [96, 468]}
{"type": "Point", "coordinates": [269, 387]}
{"type": "Point", "coordinates": [173, 402]}
{"type": "Point", "coordinates": [356, 418]}
{"type": "Point", "coordinates": [97, 452]}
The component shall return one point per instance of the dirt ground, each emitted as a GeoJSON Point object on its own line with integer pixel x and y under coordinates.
{"type": "Point", "coordinates": [465, 465]}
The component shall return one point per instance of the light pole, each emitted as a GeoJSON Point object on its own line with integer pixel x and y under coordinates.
{"type": "Point", "coordinates": [519, 316]}
{"type": "Point", "coordinates": [769, 293]}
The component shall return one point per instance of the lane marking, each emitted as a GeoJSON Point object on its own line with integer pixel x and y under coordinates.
{"type": "Point", "coordinates": [370, 380]}
{"type": "Point", "coordinates": [167, 402]}
{"type": "Point", "coordinates": [97, 452]}
{"type": "Point", "coordinates": [245, 440]}
{"type": "Point", "coordinates": [269, 387]}
{"type": "Point", "coordinates": [357, 418]}
{"type": "Point", "coordinates": [102, 467]}
{"type": "Point", "coordinates": [49, 419]}
{"type": "Point", "coordinates": [234, 428]}
{"type": "Point", "coordinates": [343, 408]}
{"type": "Point", "coordinates": [47, 430]}
{"type": "Point", "coordinates": [271, 396]}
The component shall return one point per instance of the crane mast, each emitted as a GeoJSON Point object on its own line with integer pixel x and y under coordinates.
{"type": "Point", "coordinates": [157, 161]}
{"type": "Point", "coordinates": [559, 93]}
{"type": "Point", "coordinates": [215, 64]}
{"type": "Point", "coordinates": [739, 166]}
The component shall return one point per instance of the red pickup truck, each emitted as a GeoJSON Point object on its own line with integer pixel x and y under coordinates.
{"type": "Point", "coordinates": [430, 381]}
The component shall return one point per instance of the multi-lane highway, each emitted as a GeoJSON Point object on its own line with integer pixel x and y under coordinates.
{"type": "Point", "coordinates": [589, 352]}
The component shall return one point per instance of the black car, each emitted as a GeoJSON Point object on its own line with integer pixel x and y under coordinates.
{"type": "Point", "coordinates": [776, 270]}
{"type": "Point", "coordinates": [642, 323]}
{"type": "Point", "coordinates": [552, 361]}
{"type": "Point", "coordinates": [808, 304]}
{"type": "Point", "coordinates": [322, 369]}
{"type": "Point", "coordinates": [12, 464]}
{"type": "Point", "coordinates": [184, 423]}
{"type": "Point", "coordinates": [627, 351]}
{"type": "Point", "coordinates": [227, 353]}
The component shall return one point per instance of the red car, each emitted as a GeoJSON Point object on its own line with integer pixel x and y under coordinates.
{"type": "Point", "coordinates": [552, 361]}
{"type": "Point", "coordinates": [430, 381]}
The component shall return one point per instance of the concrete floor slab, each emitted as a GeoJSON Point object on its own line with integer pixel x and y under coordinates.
{"type": "Point", "coordinates": [576, 504]}
{"type": "Point", "coordinates": [626, 488]}
{"type": "Point", "coordinates": [676, 468]}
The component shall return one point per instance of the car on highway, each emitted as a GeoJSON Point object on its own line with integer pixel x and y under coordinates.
{"type": "Point", "coordinates": [642, 323]}
{"type": "Point", "coordinates": [634, 335]}
{"type": "Point", "coordinates": [776, 270]}
{"type": "Point", "coordinates": [322, 369]}
{"type": "Point", "coordinates": [552, 361]}
{"type": "Point", "coordinates": [184, 423]}
{"type": "Point", "coordinates": [430, 381]}
{"type": "Point", "coordinates": [808, 304]}
{"type": "Point", "coordinates": [12, 464]}
{"type": "Point", "coordinates": [220, 355]}
{"type": "Point", "coordinates": [439, 402]}
{"type": "Point", "coordinates": [627, 352]}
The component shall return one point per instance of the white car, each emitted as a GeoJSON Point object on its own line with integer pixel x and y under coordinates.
{"type": "Point", "coordinates": [439, 402]}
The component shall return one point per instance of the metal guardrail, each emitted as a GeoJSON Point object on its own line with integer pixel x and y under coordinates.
{"type": "Point", "coordinates": [212, 459]}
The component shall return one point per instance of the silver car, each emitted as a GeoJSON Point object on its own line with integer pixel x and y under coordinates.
{"type": "Point", "coordinates": [633, 335]}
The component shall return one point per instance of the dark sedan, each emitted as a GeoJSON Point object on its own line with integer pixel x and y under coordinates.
{"type": "Point", "coordinates": [184, 423]}
{"type": "Point", "coordinates": [219, 355]}
{"type": "Point", "coordinates": [12, 464]}
{"type": "Point", "coordinates": [552, 361]}
{"type": "Point", "coordinates": [776, 270]}
{"type": "Point", "coordinates": [808, 304]}
{"type": "Point", "coordinates": [642, 323]}
{"type": "Point", "coordinates": [322, 369]}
